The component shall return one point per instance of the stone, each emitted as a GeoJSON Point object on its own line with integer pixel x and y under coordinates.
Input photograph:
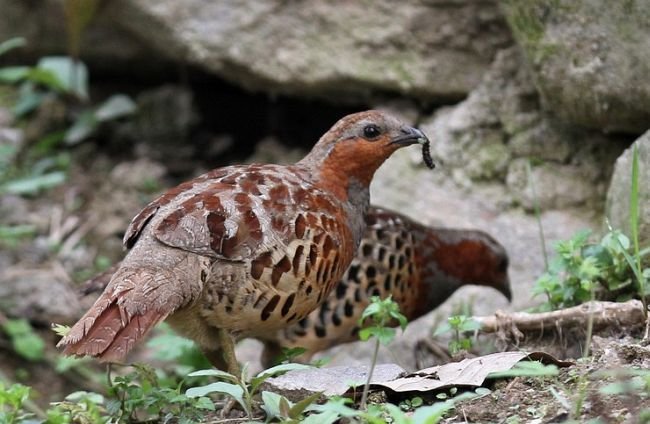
{"type": "Point", "coordinates": [618, 195]}
{"type": "Point", "coordinates": [43, 295]}
{"type": "Point", "coordinates": [340, 51]}
{"type": "Point", "coordinates": [589, 59]}
{"type": "Point", "coordinates": [490, 136]}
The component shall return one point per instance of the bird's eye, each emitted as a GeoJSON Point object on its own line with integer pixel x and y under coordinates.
{"type": "Point", "coordinates": [371, 131]}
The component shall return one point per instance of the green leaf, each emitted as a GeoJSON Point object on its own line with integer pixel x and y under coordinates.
{"type": "Point", "coordinates": [281, 369]}
{"type": "Point", "coordinates": [233, 390]}
{"type": "Point", "coordinates": [326, 417]}
{"type": "Point", "coordinates": [442, 329]}
{"type": "Point", "coordinates": [296, 410]}
{"type": "Point", "coordinates": [469, 324]}
{"type": "Point", "coordinates": [365, 334]}
{"type": "Point", "coordinates": [47, 78]}
{"type": "Point", "coordinates": [204, 403]}
{"type": "Point", "coordinates": [416, 402]}
{"type": "Point", "coordinates": [403, 322]}
{"type": "Point", "coordinates": [271, 405]}
{"type": "Point", "coordinates": [396, 414]}
{"type": "Point", "coordinates": [214, 373]}
{"type": "Point", "coordinates": [28, 100]}
{"type": "Point", "coordinates": [34, 184]}
{"type": "Point", "coordinates": [13, 74]}
{"type": "Point", "coordinates": [85, 124]}
{"type": "Point", "coordinates": [338, 406]}
{"type": "Point", "coordinates": [527, 369]}
{"type": "Point", "coordinates": [60, 330]}
{"type": "Point", "coordinates": [116, 106]}
{"type": "Point", "coordinates": [12, 232]}
{"type": "Point", "coordinates": [11, 44]}
{"type": "Point", "coordinates": [72, 75]}
{"type": "Point", "coordinates": [432, 414]}
{"type": "Point", "coordinates": [385, 335]}
{"type": "Point", "coordinates": [91, 397]}
{"type": "Point", "coordinates": [372, 309]}
{"type": "Point", "coordinates": [25, 341]}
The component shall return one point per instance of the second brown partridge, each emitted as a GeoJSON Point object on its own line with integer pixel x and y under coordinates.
{"type": "Point", "coordinates": [419, 266]}
{"type": "Point", "coordinates": [243, 250]}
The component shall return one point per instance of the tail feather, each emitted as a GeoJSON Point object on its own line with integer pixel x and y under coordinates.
{"type": "Point", "coordinates": [132, 304]}
{"type": "Point", "coordinates": [110, 333]}
{"type": "Point", "coordinates": [128, 336]}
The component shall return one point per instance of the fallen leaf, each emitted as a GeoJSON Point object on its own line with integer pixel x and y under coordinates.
{"type": "Point", "coordinates": [467, 373]}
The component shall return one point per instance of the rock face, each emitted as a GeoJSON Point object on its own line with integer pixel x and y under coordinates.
{"type": "Point", "coordinates": [499, 133]}
{"type": "Point", "coordinates": [618, 196]}
{"type": "Point", "coordinates": [589, 57]}
{"type": "Point", "coordinates": [337, 50]}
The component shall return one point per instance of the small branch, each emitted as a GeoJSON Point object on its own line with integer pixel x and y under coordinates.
{"type": "Point", "coordinates": [605, 314]}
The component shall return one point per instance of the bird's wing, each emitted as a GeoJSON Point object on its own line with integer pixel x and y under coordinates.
{"type": "Point", "coordinates": [237, 215]}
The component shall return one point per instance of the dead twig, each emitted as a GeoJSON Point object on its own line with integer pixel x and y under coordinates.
{"type": "Point", "coordinates": [605, 314]}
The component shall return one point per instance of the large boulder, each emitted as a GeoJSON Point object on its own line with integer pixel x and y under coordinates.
{"type": "Point", "coordinates": [618, 196]}
{"type": "Point", "coordinates": [500, 136]}
{"type": "Point", "coordinates": [340, 50]}
{"type": "Point", "coordinates": [590, 58]}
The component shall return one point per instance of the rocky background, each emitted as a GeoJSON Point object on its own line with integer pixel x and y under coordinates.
{"type": "Point", "coordinates": [527, 103]}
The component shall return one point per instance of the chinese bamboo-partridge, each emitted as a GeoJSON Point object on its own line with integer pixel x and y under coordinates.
{"type": "Point", "coordinates": [243, 250]}
{"type": "Point", "coordinates": [419, 266]}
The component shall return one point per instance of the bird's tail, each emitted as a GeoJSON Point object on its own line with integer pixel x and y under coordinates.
{"type": "Point", "coordinates": [132, 304]}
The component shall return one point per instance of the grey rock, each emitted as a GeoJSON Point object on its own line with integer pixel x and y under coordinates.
{"type": "Point", "coordinates": [556, 186]}
{"type": "Point", "coordinates": [490, 136]}
{"type": "Point", "coordinates": [589, 59]}
{"type": "Point", "coordinates": [340, 50]}
{"type": "Point", "coordinates": [618, 195]}
{"type": "Point", "coordinates": [41, 295]}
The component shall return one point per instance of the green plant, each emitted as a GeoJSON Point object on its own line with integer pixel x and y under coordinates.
{"type": "Point", "coordinates": [410, 404]}
{"type": "Point", "coordinates": [460, 326]}
{"type": "Point", "coordinates": [380, 313]}
{"type": "Point", "coordinates": [24, 340]}
{"type": "Point", "coordinates": [139, 395]}
{"type": "Point", "coordinates": [239, 388]}
{"type": "Point", "coordinates": [12, 399]}
{"type": "Point", "coordinates": [35, 164]}
{"type": "Point", "coordinates": [581, 266]}
{"type": "Point", "coordinates": [279, 407]}
{"type": "Point", "coordinates": [78, 407]}
{"type": "Point", "coordinates": [642, 276]}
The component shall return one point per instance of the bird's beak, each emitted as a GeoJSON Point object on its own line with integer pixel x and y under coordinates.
{"type": "Point", "coordinates": [408, 136]}
{"type": "Point", "coordinates": [504, 289]}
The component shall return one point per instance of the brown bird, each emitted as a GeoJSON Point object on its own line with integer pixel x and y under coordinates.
{"type": "Point", "coordinates": [243, 250]}
{"type": "Point", "coordinates": [419, 266]}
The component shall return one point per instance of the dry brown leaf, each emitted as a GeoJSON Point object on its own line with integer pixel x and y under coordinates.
{"type": "Point", "coordinates": [467, 373]}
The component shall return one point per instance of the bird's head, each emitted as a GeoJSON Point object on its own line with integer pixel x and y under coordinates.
{"type": "Point", "coordinates": [469, 257]}
{"type": "Point", "coordinates": [356, 146]}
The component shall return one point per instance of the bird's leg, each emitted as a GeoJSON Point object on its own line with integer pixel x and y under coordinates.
{"type": "Point", "coordinates": [228, 352]}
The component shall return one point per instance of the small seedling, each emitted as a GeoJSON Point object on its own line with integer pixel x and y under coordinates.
{"type": "Point", "coordinates": [380, 313]}
{"type": "Point", "coordinates": [460, 326]}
